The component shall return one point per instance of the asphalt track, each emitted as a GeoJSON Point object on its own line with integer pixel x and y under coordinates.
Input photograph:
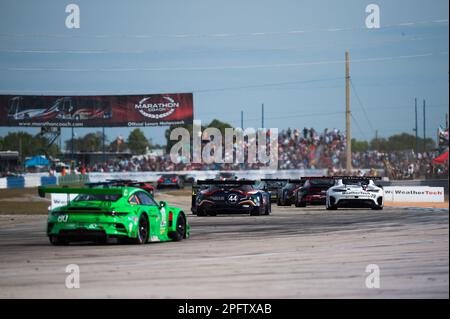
{"type": "Point", "coordinates": [294, 253]}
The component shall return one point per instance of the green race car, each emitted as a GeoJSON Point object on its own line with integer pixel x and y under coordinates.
{"type": "Point", "coordinates": [127, 213]}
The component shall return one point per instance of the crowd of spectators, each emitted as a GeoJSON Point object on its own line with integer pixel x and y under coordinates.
{"type": "Point", "coordinates": [301, 149]}
{"type": "Point", "coordinates": [297, 149]}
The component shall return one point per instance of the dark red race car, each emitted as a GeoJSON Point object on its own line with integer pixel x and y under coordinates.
{"type": "Point", "coordinates": [314, 191]}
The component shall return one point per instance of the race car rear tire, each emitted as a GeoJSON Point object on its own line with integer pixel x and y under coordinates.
{"type": "Point", "coordinates": [180, 231]}
{"type": "Point", "coordinates": [58, 240]}
{"type": "Point", "coordinates": [376, 207]}
{"type": "Point", "coordinates": [300, 203]}
{"type": "Point", "coordinates": [201, 212]}
{"type": "Point", "coordinates": [143, 231]}
{"type": "Point", "coordinates": [268, 209]}
{"type": "Point", "coordinates": [332, 207]}
{"type": "Point", "coordinates": [257, 211]}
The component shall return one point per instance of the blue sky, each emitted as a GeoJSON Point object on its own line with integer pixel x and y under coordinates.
{"type": "Point", "coordinates": [235, 55]}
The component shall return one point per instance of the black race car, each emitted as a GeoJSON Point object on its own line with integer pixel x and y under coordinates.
{"type": "Point", "coordinates": [222, 197]}
{"type": "Point", "coordinates": [170, 181]}
{"type": "Point", "coordinates": [195, 190]}
{"type": "Point", "coordinates": [313, 192]}
{"type": "Point", "coordinates": [286, 194]}
{"type": "Point", "coordinates": [272, 186]}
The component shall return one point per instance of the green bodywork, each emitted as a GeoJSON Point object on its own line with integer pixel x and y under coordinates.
{"type": "Point", "coordinates": [113, 218]}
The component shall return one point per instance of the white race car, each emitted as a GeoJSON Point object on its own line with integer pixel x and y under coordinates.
{"type": "Point", "coordinates": [355, 192]}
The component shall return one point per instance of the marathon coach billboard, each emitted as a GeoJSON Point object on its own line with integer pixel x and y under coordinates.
{"type": "Point", "coordinates": [95, 111]}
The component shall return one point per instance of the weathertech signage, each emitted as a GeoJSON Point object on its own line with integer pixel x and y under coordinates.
{"type": "Point", "coordinates": [94, 111]}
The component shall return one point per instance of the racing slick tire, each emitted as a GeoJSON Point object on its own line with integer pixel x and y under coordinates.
{"type": "Point", "coordinates": [300, 203]}
{"type": "Point", "coordinates": [283, 201]}
{"type": "Point", "coordinates": [58, 240]}
{"type": "Point", "coordinates": [278, 201]}
{"type": "Point", "coordinates": [376, 207]}
{"type": "Point", "coordinates": [201, 212]}
{"type": "Point", "coordinates": [143, 231]}
{"type": "Point", "coordinates": [333, 207]}
{"type": "Point", "coordinates": [257, 210]}
{"type": "Point", "coordinates": [180, 231]}
{"type": "Point", "coordinates": [268, 209]}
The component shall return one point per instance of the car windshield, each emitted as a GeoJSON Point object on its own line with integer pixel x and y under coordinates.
{"type": "Point", "coordinates": [97, 197]}
{"type": "Point", "coordinates": [292, 186]}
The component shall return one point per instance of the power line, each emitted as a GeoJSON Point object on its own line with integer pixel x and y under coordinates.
{"type": "Point", "coordinates": [217, 68]}
{"type": "Point", "coordinates": [264, 85]}
{"type": "Point", "coordinates": [219, 35]}
{"type": "Point", "coordinates": [361, 105]}
{"type": "Point", "coordinates": [359, 128]}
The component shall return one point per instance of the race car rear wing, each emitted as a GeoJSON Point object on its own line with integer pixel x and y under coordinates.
{"type": "Point", "coordinates": [274, 180]}
{"type": "Point", "coordinates": [225, 182]}
{"type": "Point", "coordinates": [357, 178]}
{"type": "Point", "coordinates": [42, 190]}
{"type": "Point", "coordinates": [304, 178]}
{"type": "Point", "coordinates": [296, 181]}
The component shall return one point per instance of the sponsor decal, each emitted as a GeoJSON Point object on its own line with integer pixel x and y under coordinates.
{"type": "Point", "coordinates": [157, 108]}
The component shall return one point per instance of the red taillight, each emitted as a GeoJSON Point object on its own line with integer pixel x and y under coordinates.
{"type": "Point", "coordinates": [174, 180]}
{"type": "Point", "coordinates": [170, 219]}
{"type": "Point", "coordinates": [160, 180]}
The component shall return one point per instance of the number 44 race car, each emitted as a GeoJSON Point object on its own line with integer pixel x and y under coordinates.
{"type": "Point", "coordinates": [222, 197]}
{"type": "Point", "coordinates": [355, 192]}
{"type": "Point", "coordinates": [127, 213]}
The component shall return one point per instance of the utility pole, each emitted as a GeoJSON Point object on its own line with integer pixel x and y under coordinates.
{"type": "Point", "coordinates": [72, 145]}
{"type": "Point", "coordinates": [415, 129]}
{"type": "Point", "coordinates": [103, 143]}
{"type": "Point", "coordinates": [347, 115]}
{"type": "Point", "coordinates": [262, 115]}
{"type": "Point", "coordinates": [424, 127]}
{"type": "Point", "coordinates": [242, 119]}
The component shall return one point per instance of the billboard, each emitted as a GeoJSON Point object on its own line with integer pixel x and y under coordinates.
{"type": "Point", "coordinates": [96, 111]}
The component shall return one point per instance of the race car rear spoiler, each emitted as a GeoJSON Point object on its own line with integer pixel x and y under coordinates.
{"type": "Point", "coordinates": [218, 182]}
{"type": "Point", "coordinates": [357, 178]}
{"type": "Point", "coordinates": [304, 178]}
{"type": "Point", "coordinates": [296, 181]}
{"type": "Point", "coordinates": [274, 180]}
{"type": "Point", "coordinates": [42, 190]}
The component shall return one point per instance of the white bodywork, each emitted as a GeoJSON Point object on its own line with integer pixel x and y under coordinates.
{"type": "Point", "coordinates": [355, 193]}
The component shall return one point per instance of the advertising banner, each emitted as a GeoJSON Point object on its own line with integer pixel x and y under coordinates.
{"type": "Point", "coordinates": [425, 194]}
{"type": "Point", "coordinates": [96, 111]}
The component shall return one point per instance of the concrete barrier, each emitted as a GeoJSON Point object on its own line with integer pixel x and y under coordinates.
{"type": "Point", "coordinates": [428, 182]}
{"type": "Point", "coordinates": [3, 183]}
{"type": "Point", "coordinates": [15, 182]}
{"type": "Point", "coordinates": [48, 180]}
{"type": "Point", "coordinates": [32, 180]}
{"type": "Point", "coordinates": [414, 194]}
